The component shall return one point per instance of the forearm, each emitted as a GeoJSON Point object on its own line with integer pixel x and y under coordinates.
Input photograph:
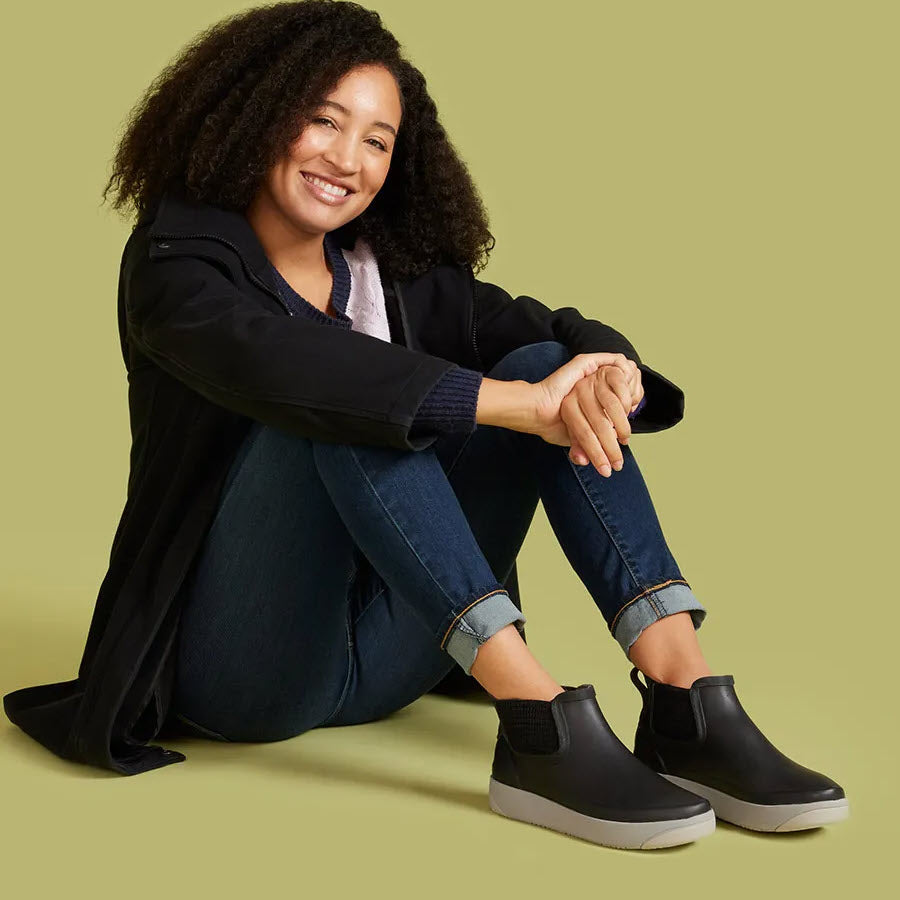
{"type": "Point", "coordinates": [509, 404]}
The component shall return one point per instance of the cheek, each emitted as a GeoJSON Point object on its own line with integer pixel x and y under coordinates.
{"type": "Point", "coordinates": [376, 175]}
{"type": "Point", "coordinates": [304, 147]}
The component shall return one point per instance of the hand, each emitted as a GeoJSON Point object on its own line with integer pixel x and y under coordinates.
{"type": "Point", "coordinates": [576, 452]}
{"type": "Point", "coordinates": [584, 401]}
{"type": "Point", "coordinates": [595, 414]}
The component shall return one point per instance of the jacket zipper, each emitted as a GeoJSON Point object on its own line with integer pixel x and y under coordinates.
{"type": "Point", "coordinates": [253, 276]}
{"type": "Point", "coordinates": [407, 340]}
{"type": "Point", "coordinates": [480, 361]}
{"type": "Point", "coordinates": [474, 341]}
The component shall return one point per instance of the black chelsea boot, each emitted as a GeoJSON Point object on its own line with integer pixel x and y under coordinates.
{"type": "Point", "coordinates": [702, 739]}
{"type": "Point", "coordinates": [558, 764]}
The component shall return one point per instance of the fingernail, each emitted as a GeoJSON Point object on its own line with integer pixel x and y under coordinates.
{"type": "Point", "coordinates": [618, 466]}
{"type": "Point", "coordinates": [606, 470]}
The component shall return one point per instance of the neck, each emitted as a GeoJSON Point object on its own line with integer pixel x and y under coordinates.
{"type": "Point", "coordinates": [286, 247]}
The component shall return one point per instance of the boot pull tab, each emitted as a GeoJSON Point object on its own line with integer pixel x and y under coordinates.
{"type": "Point", "coordinates": [637, 682]}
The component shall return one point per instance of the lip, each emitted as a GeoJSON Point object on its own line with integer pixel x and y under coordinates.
{"type": "Point", "coordinates": [322, 195]}
{"type": "Point", "coordinates": [335, 181]}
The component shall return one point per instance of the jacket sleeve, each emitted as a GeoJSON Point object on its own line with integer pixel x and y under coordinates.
{"type": "Point", "coordinates": [451, 405]}
{"type": "Point", "coordinates": [503, 324]}
{"type": "Point", "coordinates": [187, 316]}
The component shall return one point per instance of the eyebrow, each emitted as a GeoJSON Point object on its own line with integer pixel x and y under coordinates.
{"type": "Point", "coordinates": [346, 112]}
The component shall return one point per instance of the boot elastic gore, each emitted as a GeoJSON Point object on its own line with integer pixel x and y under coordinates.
{"type": "Point", "coordinates": [725, 758]}
{"type": "Point", "coordinates": [592, 786]}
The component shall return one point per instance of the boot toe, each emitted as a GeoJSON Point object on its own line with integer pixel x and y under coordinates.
{"type": "Point", "coordinates": [692, 805]}
{"type": "Point", "coordinates": [702, 739]}
{"type": "Point", "coordinates": [813, 788]}
{"type": "Point", "coordinates": [592, 786]}
{"type": "Point", "coordinates": [785, 781]}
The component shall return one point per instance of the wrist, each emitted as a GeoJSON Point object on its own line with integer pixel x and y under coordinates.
{"type": "Point", "coordinates": [509, 404]}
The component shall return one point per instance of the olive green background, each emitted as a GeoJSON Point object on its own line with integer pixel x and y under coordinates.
{"type": "Point", "coordinates": [716, 180]}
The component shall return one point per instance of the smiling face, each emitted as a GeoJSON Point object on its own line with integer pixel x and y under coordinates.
{"type": "Point", "coordinates": [349, 142]}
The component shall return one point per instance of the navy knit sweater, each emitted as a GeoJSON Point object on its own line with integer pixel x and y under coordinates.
{"type": "Point", "coordinates": [449, 406]}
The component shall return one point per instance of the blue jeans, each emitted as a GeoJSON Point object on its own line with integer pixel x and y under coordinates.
{"type": "Point", "coordinates": [340, 582]}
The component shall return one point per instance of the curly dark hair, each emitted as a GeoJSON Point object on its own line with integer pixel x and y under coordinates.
{"type": "Point", "coordinates": [226, 109]}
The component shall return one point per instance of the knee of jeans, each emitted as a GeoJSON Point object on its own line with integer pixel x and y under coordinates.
{"type": "Point", "coordinates": [531, 362]}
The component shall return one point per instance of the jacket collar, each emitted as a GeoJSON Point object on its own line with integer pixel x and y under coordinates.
{"type": "Point", "coordinates": [183, 217]}
{"type": "Point", "coordinates": [177, 216]}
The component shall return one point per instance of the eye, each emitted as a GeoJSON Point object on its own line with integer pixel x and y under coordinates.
{"type": "Point", "coordinates": [328, 121]}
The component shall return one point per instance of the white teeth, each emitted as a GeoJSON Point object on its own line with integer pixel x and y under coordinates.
{"type": "Point", "coordinates": [327, 185]}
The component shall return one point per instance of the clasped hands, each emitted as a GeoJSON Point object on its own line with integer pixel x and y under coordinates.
{"type": "Point", "coordinates": [584, 405]}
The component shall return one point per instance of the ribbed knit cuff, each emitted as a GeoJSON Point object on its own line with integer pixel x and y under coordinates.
{"type": "Point", "coordinates": [450, 405]}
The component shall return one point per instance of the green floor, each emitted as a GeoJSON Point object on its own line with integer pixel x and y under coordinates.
{"type": "Point", "coordinates": [399, 807]}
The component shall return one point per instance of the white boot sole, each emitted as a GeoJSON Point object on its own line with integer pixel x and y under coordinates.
{"type": "Point", "coordinates": [525, 806]}
{"type": "Point", "coordinates": [767, 817]}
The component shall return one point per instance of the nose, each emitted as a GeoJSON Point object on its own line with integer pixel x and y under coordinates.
{"type": "Point", "coordinates": [342, 153]}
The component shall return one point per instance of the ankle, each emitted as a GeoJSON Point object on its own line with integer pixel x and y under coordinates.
{"type": "Point", "coordinates": [679, 673]}
{"type": "Point", "coordinates": [530, 691]}
{"type": "Point", "coordinates": [667, 650]}
{"type": "Point", "coordinates": [507, 669]}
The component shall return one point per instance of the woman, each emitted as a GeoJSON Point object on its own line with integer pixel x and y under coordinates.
{"type": "Point", "coordinates": [340, 437]}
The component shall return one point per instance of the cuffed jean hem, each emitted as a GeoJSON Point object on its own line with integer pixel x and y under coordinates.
{"type": "Point", "coordinates": [480, 621]}
{"type": "Point", "coordinates": [664, 599]}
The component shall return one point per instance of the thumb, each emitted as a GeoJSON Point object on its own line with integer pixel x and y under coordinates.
{"type": "Point", "coordinates": [569, 374]}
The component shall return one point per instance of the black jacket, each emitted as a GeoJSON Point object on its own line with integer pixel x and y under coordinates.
{"type": "Point", "coordinates": [209, 346]}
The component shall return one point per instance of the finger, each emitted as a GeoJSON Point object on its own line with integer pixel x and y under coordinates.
{"type": "Point", "coordinates": [606, 429]}
{"type": "Point", "coordinates": [577, 454]}
{"type": "Point", "coordinates": [621, 360]}
{"type": "Point", "coordinates": [604, 401]}
{"type": "Point", "coordinates": [626, 366]}
{"type": "Point", "coordinates": [635, 381]}
{"type": "Point", "coordinates": [588, 363]}
{"type": "Point", "coordinates": [597, 441]}
{"type": "Point", "coordinates": [631, 367]}
{"type": "Point", "coordinates": [596, 361]}
{"type": "Point", "coordinates": [581, 434]}
{"type": "Point", "coordinates": [567, 410]}
{"type": "Point", "coordinates": [637, 389]}
{"type": "Point", "coordinates": [640, 396]}
{"type": "Point", "coordinates": [616, 382]}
